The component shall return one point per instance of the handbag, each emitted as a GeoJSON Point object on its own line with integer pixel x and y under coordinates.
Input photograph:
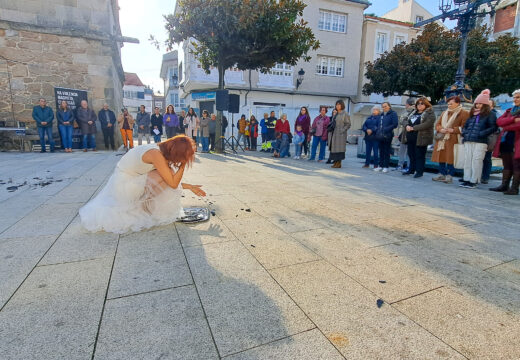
{"type": "Point", "coordinates": [312, 131]}
{"type": "Point", "coordinates": [332, 125]}
{"type": "Point", "coordinates": [380, 135]}
{"type": "Point", "coordinates": [290, 138]}
{"type": "Point", "coordinates": [458, 155]}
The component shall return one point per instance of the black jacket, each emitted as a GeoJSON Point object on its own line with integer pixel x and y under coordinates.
{"type": "Point", "coordinates": [102, 118]}
{"type": "Point", "coordinates": [479, 132]}
{"type": "Point", "coordinates": [156, 120]}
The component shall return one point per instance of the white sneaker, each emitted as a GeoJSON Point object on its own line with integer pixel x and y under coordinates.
{"type": "Point", "coordinates": [385, 170]}
{"type": "Point", "coordinates": [377, 169]}
{"type": "Point", "coordinates": [295, 158]}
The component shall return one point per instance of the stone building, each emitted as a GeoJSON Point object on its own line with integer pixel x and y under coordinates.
{"type": "Point", "coordinates": [57, 43]}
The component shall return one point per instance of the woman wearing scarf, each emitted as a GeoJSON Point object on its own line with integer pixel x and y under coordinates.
{"type": "Point", "coordinates": [481, 124]}
{"type": "Point", "coordinates": [448, 129]}
{"type": "Point", "coordinates": [304, 120]}
{"type": "Point", "coordinates": [508, 148]}
{"type": "Point", "coordinates": [339, 126]}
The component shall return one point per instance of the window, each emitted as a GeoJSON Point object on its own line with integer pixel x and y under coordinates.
{"type": "Point", "coordinates": [282, 70]}
{"type": "Point", "coordinates": [133, 94]}
{"type": "Point", "coordinates": [399, 39]}
{"type": "Point", "coordinates": [330, 66]}
{"type": "Point", "coordinates": [381, 42]}
{"type": "Point", "coordinates": [176, 101]}
{"type": "Point", "coordinates": [419, 18]}
{"type": "Point", "coordinates": [335, 22]}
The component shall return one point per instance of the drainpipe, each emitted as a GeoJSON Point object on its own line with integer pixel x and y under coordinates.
{"type": "Point", "coordinates": [248, 91]}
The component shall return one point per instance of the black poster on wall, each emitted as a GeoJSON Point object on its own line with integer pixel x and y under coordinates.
{"type": "Point", "coordinates": [73, 97]}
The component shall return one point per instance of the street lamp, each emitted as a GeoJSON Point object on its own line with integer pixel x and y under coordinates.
{"type": "Point", "coordinates": [299, 79]}
{"type": "Point", "coordinates": [466, 13]}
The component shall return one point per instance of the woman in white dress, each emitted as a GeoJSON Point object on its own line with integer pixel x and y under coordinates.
{"type": "Point", "coordinates": [144, 190]}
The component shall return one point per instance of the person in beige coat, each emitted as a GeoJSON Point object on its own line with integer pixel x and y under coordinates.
{"type": "Point", "coordinates": [448, 128]}
{"type": "Point", "coordinates": [338, 128]}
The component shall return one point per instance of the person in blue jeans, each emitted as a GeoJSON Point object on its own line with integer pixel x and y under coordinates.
{"type": "Point", "coordinates": [319, 134]}
{"type": "Point", "coordinates": [372, 145]}
{"type": "Point", "coordinates": [204, 131]}
{"type": "Point", "coordinates": [298, 139]}
{"type": "Point", "coordinates": [65, 118]}
{"type": "Point", "coordinates": [44, 116]}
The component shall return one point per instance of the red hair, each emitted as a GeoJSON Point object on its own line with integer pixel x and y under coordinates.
{"type": "Point", "coordinates": [179, 149]}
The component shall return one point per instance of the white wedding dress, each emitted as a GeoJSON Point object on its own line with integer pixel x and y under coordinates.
{"type": "Point", "coordinates": [129, 202]}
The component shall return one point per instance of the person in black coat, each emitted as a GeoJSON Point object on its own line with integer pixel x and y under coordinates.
{"type": "Point", "coordinates": [107, 118]}
{"type": "Point", "coordinates": [481, 123]}
{"type": "Point", "coordinates": [156, 121]}
{"type": "Point", "coordinates": [384, 134]}
{"type": "Point", "coordinates": [372, 145]}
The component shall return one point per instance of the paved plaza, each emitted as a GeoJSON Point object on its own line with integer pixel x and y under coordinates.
{"type": "Point", "coordinates": [299, 261]}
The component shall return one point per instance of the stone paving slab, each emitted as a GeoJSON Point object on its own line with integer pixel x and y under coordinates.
{"type": "Point", "coordinates": [77, 244]}
{"type": "Point", "coordinates": [509, 271]}
{"type": "Point", "coordinates": [48, 219]}
{"type": "Point", "coordinates": [475, 329]}
{"type": "Point", "coordinates": [166, 324]}
{"type": "Point", "coordinates": [309, 345]}
{"type": "Point", "coordinates": [244, 306]}
{"type": "Point", "coordinates": [348, 315]}
{"type": "Point", "coordinates": [56, 312]}
{"type": "Point", "coordinates": [18, 257]}
{"type": "Point", "coordinates": [148, 261]}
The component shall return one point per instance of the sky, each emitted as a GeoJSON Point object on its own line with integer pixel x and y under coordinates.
{"type": "Point", "coordinates": [141, 18]}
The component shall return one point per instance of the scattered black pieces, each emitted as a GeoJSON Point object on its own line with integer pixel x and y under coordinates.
{"type": "Point", "coordinates": [12, 188]}
{"type": "Point", "coordinates": [382, 281]}
{"type": "Point", "coordinates": [248, 210]}
{"type": "Point", "coordinates": [380, 303]}
{"type": "Point", "coordinates": [253, 245]}
{"type": "Point", "coordinates": [236, 215]}
{"type": "Point", "coordinates": [213, 213]}
{"type": "Point", "coordinates": [36, 178]}
{"type": "Point", "coordinates": [59, 180]}
{"type": "Point", "coordinates": [242, 209]}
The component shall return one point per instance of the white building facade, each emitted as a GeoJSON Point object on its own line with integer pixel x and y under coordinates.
{"type": "Point", "coordinates": [135, 94]}
{"type": "Point", "coordinates": [331, 74]}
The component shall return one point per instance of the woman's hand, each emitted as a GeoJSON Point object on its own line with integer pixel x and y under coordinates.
{"type": "Point", "coordinates": [369, 132]}
{"type": "Point", "coordinates": [196, 189]}
{"type": "Point", "coordinates": [409, 128]}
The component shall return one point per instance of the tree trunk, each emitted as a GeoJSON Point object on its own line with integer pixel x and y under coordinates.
{"type": "Point", "coordinates": [219, 143]}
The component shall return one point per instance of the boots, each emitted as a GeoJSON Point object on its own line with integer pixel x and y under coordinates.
{"type": "Point", "coordinates": [506, 177]}
{"type": "Point", "coordinates": [513, 190]}
{"type": "Point", "coordinates": [337, 165]}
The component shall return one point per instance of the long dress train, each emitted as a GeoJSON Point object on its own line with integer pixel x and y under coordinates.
{"type": "Point", "coordinates": [132, 200]}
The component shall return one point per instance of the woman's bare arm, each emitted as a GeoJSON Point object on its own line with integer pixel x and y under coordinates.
{"type": "Point", "coordinates": [155, 157]}
{"type": "Point", "coordinates": [196, 189]}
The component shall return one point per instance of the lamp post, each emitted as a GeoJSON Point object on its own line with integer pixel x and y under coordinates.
{"type": "Point", "coordinates": [299, 79]}
{"type": "Point", "coordinates": [466, 12]}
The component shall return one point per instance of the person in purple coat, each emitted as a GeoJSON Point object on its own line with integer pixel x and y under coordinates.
{"type": "Point", "coordinates": [171, 122]}
{"type": "Point", "coordinates": [304, 120]}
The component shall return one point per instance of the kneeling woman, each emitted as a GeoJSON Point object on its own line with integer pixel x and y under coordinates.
{"type": "Point", "coordinates": [144, 189]}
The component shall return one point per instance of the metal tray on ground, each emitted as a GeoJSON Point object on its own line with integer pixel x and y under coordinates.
{"type": "Point", "coordinates": [195, 214]}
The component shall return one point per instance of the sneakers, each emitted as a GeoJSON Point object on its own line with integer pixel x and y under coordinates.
{"type": "Point", "coordinates": [366, 166]}
{"type": "Point", "coordinates": [296, 158]}
{"type": "Point", "coordinates": [385, 170]}
{"type": "Point", "coordinates": [468, 185]}
{"type": "Point", "coordinates": [440, 178]}
{"type": "Point", "coordinates": [449, 179]}
{"type": "Point", "coordinates": [378, 169]}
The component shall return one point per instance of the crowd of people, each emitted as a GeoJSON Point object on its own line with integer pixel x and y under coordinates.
{"type": "Point", "coordinates": [461, 139]}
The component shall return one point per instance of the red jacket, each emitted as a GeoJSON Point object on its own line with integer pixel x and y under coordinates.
{"type": "Point", "coordinates": [282, 127]}
{"type": "Point", "coordinates": [507, 123]}
{"type": "Point", "coordinates": [253, 129]}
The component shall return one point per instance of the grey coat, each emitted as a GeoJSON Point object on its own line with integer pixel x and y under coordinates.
{"type": "Point", "coordinates": [143, 119]}
{"type": "Point", "coordinates": [204, 126]}
{"type": "Point", "coordinates": [338, 138]}
{"type": "Point", "coordinates": [83, 116]}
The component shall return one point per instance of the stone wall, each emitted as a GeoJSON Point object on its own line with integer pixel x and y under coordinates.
{"type": "Point", "coordinates": [32, 63]}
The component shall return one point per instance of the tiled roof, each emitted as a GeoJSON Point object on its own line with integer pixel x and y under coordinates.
{"type": "Point", "coordinates": [133, 79]}
{"type": "Point", "coordinates": [403, 23]}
